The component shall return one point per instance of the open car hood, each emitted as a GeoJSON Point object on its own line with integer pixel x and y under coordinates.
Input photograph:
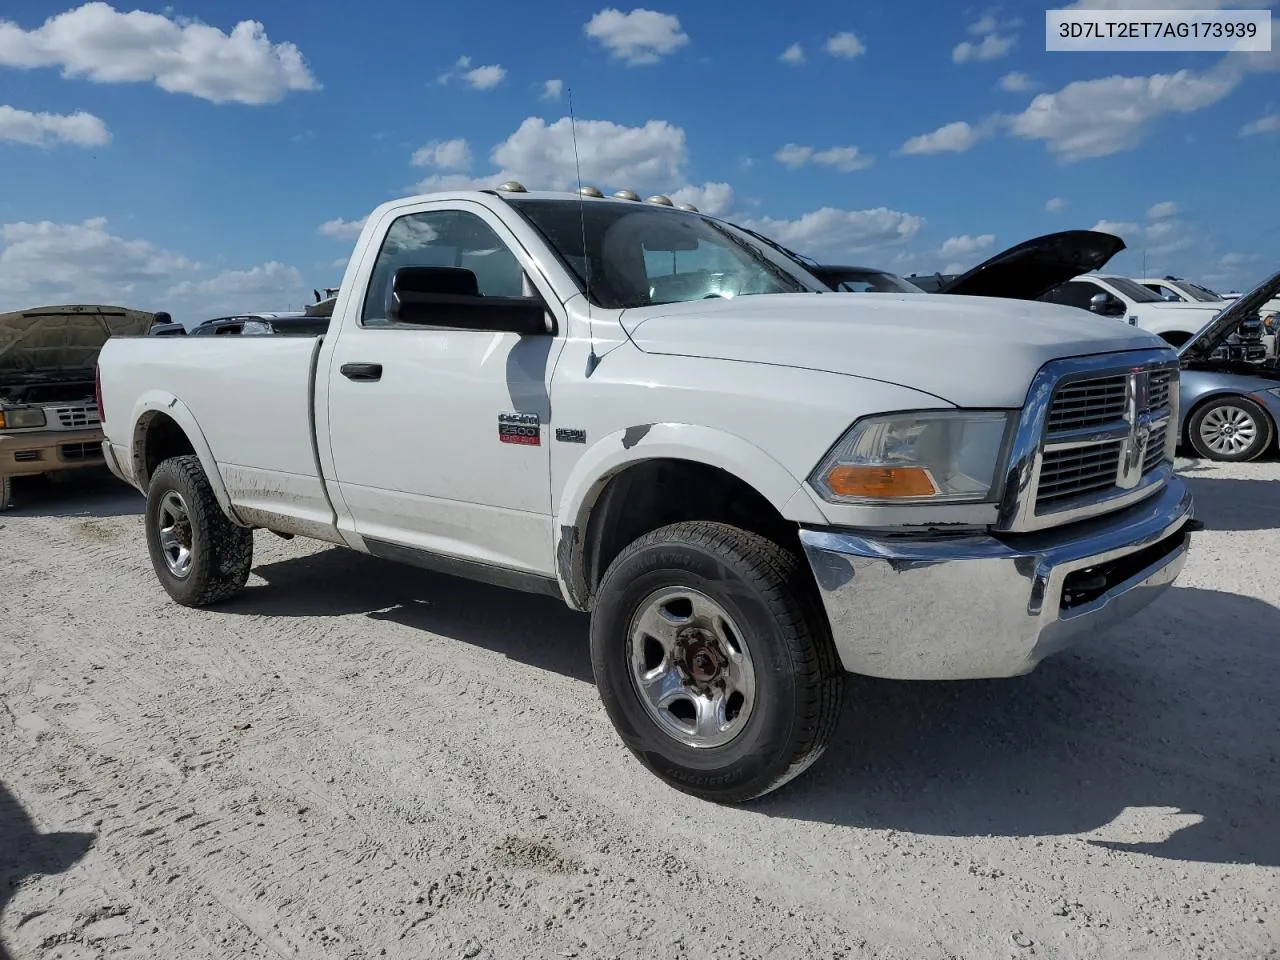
{"type": "Point", "coordinates": [1227, 320]}
{"type": "Point", "coordinates": [61, 342]}
{"type": "Point", "coordinates": [1031, 268]}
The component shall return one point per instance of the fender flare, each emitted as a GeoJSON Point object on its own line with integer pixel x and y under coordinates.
{"type": "Point", "coordinates": [612, 454]}
{"type": "Point", "coordinates": [160, 401]}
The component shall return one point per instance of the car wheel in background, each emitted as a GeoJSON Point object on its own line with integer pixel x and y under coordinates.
{"type": "Point", "coordinates": [1230, 429]}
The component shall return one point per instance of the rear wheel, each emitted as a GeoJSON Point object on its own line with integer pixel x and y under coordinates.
{"type": "Point", "coordinates": [1231, 429]}
{"type": "Point", "coordinates": [714, 662]}
{"type": "Point", "coordinates": [199, 555]}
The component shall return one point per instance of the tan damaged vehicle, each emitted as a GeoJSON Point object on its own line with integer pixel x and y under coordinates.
{"type": "Point", "coordinates": [48, 413]}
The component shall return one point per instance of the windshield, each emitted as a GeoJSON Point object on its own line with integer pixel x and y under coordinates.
{"type": "Point", "coordinates": [1134, 291]}
{"type": "Point", "coordinates": [859, 280]}
{"type": "Point", "coordinates": [1194, 290]}
{"type": "Point", "coordinates": [639, 255]}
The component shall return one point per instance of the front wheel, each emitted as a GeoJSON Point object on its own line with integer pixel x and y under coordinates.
{"type": "Point", "coordinates": [714, 661]}
{"type": "Point", "coordinates": [1230, 429]}
{"type": "Point", "coordinates": [199, 555]}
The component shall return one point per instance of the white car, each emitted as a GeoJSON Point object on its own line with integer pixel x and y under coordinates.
{"type": "Point", "coordinates": [751, 482]}
{"type": "Point", "coordinates": [1110, 295]}
{"type": "Point", "coordinates": [1176, 289]}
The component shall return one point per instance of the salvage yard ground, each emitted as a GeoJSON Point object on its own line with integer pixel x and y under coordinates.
{"type": "Point", "coordinates": [356, 759]}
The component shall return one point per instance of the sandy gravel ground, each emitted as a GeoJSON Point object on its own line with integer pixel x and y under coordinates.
{"type": "Point", "coordinates": [360, 760]}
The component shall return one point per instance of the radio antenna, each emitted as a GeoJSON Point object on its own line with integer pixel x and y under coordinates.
{"type": "Point", "coordinates": [592, 360]}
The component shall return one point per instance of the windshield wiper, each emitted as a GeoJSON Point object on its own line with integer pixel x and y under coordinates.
{"type": "Point", "coordinates": [773, 268]}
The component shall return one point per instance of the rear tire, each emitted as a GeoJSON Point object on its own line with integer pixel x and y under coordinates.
{"type": "Point", "coordinates": [694, 618]}
{"type": "Point", "coordinates": [199, 555]}
{"type": "Point", "coordinates": [1230, 429]}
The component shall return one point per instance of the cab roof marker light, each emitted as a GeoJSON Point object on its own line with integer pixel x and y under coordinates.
{"type": "Point", "coordinates": [512, 186]}
{"type": "Point", "coordinates": [627, 195]}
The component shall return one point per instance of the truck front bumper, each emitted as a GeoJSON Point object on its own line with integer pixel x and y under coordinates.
{"type": "Point", "coordinates": [975, 606]}
{"type": "Point", "coordinates": [30, 452]}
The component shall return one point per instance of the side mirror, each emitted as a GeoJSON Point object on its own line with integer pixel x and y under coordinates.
{"type": "Point", "coordinates": [1105, 305]}
{"type": "Point", "coordinates": [1171, 298]}
{"type": "Point", "coordinates": [450, 297]}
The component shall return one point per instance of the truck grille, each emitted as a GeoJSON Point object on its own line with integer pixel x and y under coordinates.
{"type": "Point", "coordinates": [1104, 436]}
{"type": "Point", "coordinates": [77, 417]}
{"type": "Point", "coordinates": [76, 452]}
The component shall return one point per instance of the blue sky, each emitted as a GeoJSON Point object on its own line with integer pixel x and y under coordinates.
{"type": "Point", "coordinates": [210, 157]}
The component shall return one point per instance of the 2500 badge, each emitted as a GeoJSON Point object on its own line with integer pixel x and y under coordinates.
{"type": "Point", "coordinates": [521, 428]}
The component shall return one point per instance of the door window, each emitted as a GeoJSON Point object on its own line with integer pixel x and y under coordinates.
{"type": "Point", "coordinates": [1077, 293]}
{"type": "Point", "coordinates": [442, 238]}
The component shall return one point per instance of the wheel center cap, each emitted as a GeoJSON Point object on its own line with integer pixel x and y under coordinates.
{"type": "Point", "coordinates": [702, 658]}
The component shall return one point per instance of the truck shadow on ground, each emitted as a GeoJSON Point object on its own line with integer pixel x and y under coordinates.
{"type": "Point", "coordinates": [1179, 710]}
{"type": "Point", "coordinates": [84, 493]}
{"type": "Point", "coordinates": [25, 852]}
{"type": "Point", "coordinates": [1225, 504]}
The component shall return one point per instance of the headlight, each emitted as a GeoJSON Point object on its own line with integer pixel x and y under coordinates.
{"type": "Point", "coordinates": [21, 418]}
{"type": "Point", "coordinates": [932, 456]}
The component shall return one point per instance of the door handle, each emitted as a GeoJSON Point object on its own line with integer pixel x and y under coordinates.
{"type": "Point", "coordinates": [362, 371]}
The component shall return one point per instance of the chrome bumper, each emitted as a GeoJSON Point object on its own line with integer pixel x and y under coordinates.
{"type": "Point", "coordinates": [972, 607]}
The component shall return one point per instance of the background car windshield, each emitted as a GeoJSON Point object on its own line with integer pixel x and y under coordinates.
{"type": "Point", "coordinates": [1134, 291]}
{"type": "Point", "coordinates": [1203, 294]}
{"type": "Point", "coordinates": [639, 255]}
{"type": "Point", "coordinates": [870, 281]}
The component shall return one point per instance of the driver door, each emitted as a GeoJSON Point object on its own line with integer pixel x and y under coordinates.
{"type": "Point", "coordinates": [415, 412]}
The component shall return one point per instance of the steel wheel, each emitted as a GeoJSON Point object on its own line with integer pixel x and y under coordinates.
{"type": "Point", "coordinates": [691, 667]}
{"type": "Point", "coordinates": [174, 525]}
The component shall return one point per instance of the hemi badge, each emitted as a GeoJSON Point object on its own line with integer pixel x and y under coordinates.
{"type": "Point", "coordinates": [567, 435]}
{"type": "Point", "coordinates": [521, 428]}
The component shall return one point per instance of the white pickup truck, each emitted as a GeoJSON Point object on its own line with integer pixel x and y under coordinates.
{"type": "Point", "coordinates": [751, 482]}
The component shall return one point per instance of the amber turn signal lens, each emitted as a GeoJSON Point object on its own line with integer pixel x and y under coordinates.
{"type": "Point", "coordinates": [881, 482]}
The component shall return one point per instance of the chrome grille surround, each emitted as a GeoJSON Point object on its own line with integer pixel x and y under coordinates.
{"type": "Point", "coordinates": [1097, 434]}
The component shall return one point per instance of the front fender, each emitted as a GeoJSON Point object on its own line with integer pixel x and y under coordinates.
{"type": "Point", "coordinates": [161, 402]}
{"type": "Point", "coordinates": [615, 452]}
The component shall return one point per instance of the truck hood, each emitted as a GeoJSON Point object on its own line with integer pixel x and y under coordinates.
{"type": "Point", "coordinates": [969, 351]}
{"type": "Point", "coordinates": [1025, 271]}
{"type": "Point", "coordinates": [1228, 320]}
{"type": "Point", "coordinates": [61, 342]}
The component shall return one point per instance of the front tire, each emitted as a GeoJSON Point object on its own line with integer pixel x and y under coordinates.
{"type": "Point", "coordinates": [1230, 429]}
{"type": "Point", "coordinates": [200, 557]}
{"type": "Point", "coordinates": [714, 661]}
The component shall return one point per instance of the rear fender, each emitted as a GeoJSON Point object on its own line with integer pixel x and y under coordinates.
{"type": "Point", "coordinates": [159, 402]}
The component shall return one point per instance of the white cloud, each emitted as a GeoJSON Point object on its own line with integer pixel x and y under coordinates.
{"type": "Point", "coordinates": [844, 159]}
{"type": "Point", "coordinates": [793, 54]}
{"type": "Point", "coordinates": [84, 262]}
{"type": "Point", "coordinates": [250, 289]}
{"type": "Point", "coordinates": [845, 45]}
{"type": "Point", "coordinates": [993, 47]}
{"type": "Point", "coordinates": [342, 229]}
{"type": "Point", "coordinates": [552, 89]}
{"type": "Point", "coordinates": [1125, 230]}
{"type": "Point", "coordinates": [97, 42]}
{"type": "Point", "coordinates": [478, 78]}
{"type": "Point", "coordinates": [442, 182]}
{"type": "Point", "coordinates": [446, 155]}
{"type": "Point", "coordinates": [965, 245]}
{"type": "Point", "coordinates": [1096, 118]}
{"type": "Point", "coordinates": [1017, 82]}
{"type": "Point", "coordinates": [485, 78]}
{"type": "Point", "coordinates": [715, 199]}
{"type": "Point", "coordinates": [1166, 236]}
{"type": "Point", "coordinates": [1159, 211]}
{"type": "Point", "coordinates": [841, 231]}
{"type": "Point", "coordinates": [952, 138]}
{"type": "Point", "coordinates": [540, 155]}
{"type": "Point", "coordinates": [1267, 124]}
{"type": "Point", "coordinates": [1055, 204]}
{"type": "Point", "coordinates": [45, 129]}
{"type": "Point", "coordinates": [639, 37]}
